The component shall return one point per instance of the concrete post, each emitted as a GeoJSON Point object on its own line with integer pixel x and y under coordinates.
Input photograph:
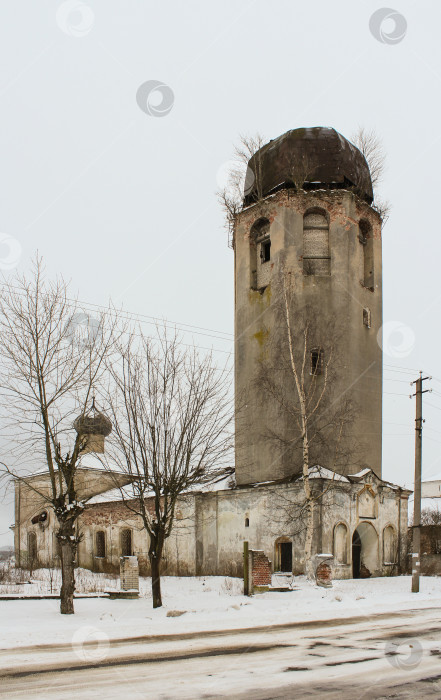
{"type": "Point", "coordinates": [246, 573]}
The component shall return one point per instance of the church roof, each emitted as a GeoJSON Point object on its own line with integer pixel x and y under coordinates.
{"type": "Point", "coordinates": [318, 156]}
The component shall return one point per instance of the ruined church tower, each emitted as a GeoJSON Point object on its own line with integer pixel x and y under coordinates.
{"type": "Point", "coordinates": [307, 214]}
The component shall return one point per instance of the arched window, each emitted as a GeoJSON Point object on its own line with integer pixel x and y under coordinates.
{"type": "Point", "coordinates": [341, 543]}
{"type": "Point", "coordinates": [100, 544]}
{"type": "Point", "coordinates": [247, 522]}
{"type": "Point", "coordinates": [389, 548]}
{"type": "Point", "coordinates": [316, 257]}
{"type": "Point", "coordinates": [32, 548]}
{"type": "Point", "coordinates": [260, 254]}
{"type": "Point", "coordinates": [367, 241]}
{"type": "Point", "coordinates": [126, 543]}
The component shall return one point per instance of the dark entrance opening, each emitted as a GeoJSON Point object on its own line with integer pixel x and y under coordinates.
{"type": "Point", "coordinates": [286, 556]}
{"type": "Point", "coordinates": [356, 555]}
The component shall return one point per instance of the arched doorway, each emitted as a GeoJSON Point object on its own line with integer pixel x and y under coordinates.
{"type": "Point", "coordinates": [365, 550]}
{"type": "Point", "coordinates": [283, 559]}
{"type": "Point", "coordinates": [356, 555]}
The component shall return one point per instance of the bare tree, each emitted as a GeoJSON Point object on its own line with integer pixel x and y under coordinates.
{"type": "Point", "coordinates": [298, 169]}
{"type": "Point", "coordinates": [300, 377]}
{"type": "Point", "coordinates": [52, 361]}
{"type": "Point", "coordinates": [172, 417]}
{"type": "Point", "coordinates": [430, 516]}
{"type": "Point", "coordinates": [242, 180]}
{"type": "Point", "coordinates": [371, 146]}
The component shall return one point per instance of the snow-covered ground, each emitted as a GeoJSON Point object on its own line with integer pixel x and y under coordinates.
{"type": "Point", "coordinates": [208, 603]}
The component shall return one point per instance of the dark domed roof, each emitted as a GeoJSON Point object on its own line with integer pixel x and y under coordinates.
{"type": "Point", "coordinates": [93, 423]}
{"type": "Point", "coordinates": [317, 156]}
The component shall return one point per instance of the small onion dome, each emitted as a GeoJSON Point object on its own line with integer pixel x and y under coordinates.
{"type": "Point", "coordinates": [93, 423]}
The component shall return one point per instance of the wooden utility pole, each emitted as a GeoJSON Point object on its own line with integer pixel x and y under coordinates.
{"type": "Point", "coordinates": [416, 539]}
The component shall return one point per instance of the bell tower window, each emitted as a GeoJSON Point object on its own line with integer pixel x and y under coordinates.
{"type": "Point", "coordinates": [265, 251]}
{"type": "Point", "coordinates": [260, 254]}
{"type": "Point", "coordinates": [316, 257]}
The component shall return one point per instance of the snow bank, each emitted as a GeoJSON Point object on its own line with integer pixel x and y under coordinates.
{"type": "Point", "coordinates": [209, 603]}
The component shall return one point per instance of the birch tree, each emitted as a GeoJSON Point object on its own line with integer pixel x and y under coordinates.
{"type": "Point", "coordinates": [300, 377]}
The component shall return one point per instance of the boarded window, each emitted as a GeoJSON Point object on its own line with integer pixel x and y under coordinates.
{"type": "Point", "coordinates": [389, 549]}
{"type": "Point", "coordinates": [341, 543]}
{"type": "Point", "coordinates": [100, 539]}
{"type": "Point", "coordinates": [126, 543]}
{"type": "Point", "coordinates": [316, 257]}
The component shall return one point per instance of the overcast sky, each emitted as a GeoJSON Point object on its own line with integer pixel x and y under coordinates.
{"type": "Point", "coordinates": [122, 200]}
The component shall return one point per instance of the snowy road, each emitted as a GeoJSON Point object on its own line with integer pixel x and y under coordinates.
{"type": "Point", "coordinates": [374, 656]}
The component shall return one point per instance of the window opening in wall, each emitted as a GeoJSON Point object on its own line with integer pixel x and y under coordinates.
{"type": "Point", "coordinates": [367, 318]}
{"type": "Point", "coordinates": [367, 241]}
{"type": "Point", "coordinates": [316, 361]}
{"type": "Point", "coordinates": [40, 518]}
{"type": "Point", "coordinates": [260, 253]}
{"type": "Point", "coordinates": [100, 544]}
{"type": "Point", "coordinates": [126, 543]}
{"type": "Point", "coordinates": [265, 251]}
{"type": "Point", "coordinates": [247, 522]}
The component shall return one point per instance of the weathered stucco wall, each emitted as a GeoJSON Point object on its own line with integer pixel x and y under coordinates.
{"type": "Point", "coordinates": [210, 529]}
{"type": "Point", "coordinates": [340, 296]}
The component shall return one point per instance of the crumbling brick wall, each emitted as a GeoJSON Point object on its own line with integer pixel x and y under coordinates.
{"type": "Point", "coordinates": [260, 570]}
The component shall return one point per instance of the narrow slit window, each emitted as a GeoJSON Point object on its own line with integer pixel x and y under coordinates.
{"type": "Point", "coordinates": [247, 522]}
{"type": "Point", "coordinates": [316, 361]}
{"type": "Point", "coordinates": [367, 241]}
{"type": "Point", "coordinates": [367, 318]}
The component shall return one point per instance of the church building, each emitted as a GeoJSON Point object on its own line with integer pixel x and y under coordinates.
{"type": "Point", "coordinates": [308, 225]}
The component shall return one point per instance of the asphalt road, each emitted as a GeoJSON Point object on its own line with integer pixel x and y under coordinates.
{"type": "Point", "coordinates": [385, 656]}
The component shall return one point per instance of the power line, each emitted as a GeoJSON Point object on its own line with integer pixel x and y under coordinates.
{"type": "Point", "coordinates": [432, 405]}
{"type": "Point", "coordinates": [152, 320]}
